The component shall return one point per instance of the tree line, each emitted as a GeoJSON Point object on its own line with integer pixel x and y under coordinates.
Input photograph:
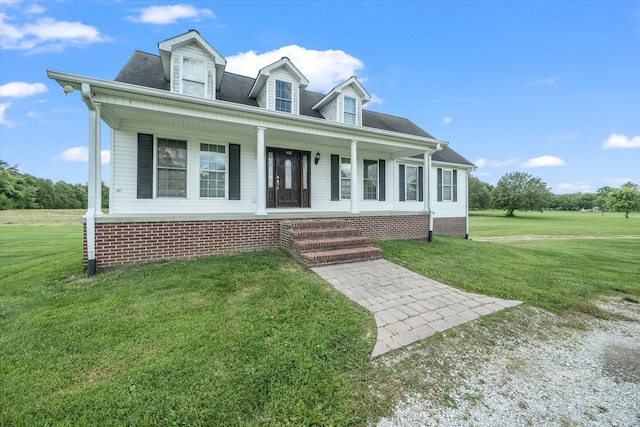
{"type": "Point", "coordinates": [24, 191]}
{"type": "Point", "coordinates": [519, 191]}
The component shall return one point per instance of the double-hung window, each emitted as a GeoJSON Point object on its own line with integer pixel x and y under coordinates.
{"type": "Point", "coordinates": [283, 96]}
{"type": "Point", "coordinates": [172, 168]}
{"type": "Point", "coordinates": [447, 185]}
{"type": "Point", "coordinates": [349, 110]}
{"type": "Point", "coordinates": [345, 178]}
{"type": "Point", "coordinates": [213, 165]}
{"type": "Point", "coordinates": [411, 180]}
{"type": "Point", "coordinates": [193, 76]}
{"type": "Point", "coordinates": [370, 180]}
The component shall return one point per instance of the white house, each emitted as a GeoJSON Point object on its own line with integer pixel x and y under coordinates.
{"type": "Point", "coordinates": [205, 161]}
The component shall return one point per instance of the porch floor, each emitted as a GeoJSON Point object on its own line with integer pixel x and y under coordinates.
{"type": "Point", "coordinates": [407, 307]}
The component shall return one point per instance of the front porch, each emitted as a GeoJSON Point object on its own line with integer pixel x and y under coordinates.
{"type": "Point", "coordinates": [135, 239]}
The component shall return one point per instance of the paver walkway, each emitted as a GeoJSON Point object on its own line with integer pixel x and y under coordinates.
{"type": "Point", "coordinates": [408, 307]}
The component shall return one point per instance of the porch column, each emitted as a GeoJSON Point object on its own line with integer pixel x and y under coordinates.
{"type": "Point", "coordinates": [261, 171]}
{"type": "Point", "coordinates": [426, 193]}
{"type": "Point", "coordinates": [92, 199]}
{"type": "Point", "coordinates": [98, 159]}
{"type": "Point", "coordinates": [354, 177]}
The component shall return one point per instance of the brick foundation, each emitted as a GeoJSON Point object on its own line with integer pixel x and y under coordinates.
{"type": "Point", "coordinates": [455, 227]}
{"type": "Point", "coordinates": [124, 243]}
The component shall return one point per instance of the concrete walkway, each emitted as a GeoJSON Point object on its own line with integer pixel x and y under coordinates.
{"type": "Point", "coordinates": [408, 307]}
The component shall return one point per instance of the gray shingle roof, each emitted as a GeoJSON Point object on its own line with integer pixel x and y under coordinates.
{"type": "Point", "coordinates": [145, 69]}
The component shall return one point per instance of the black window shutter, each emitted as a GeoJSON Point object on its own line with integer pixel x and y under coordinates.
{"type": "Point", "coordinates": [234, 172]}
{"type": "Point", "coordinates": [145, 166]}
{"type": "Point", "coordinates": [455, 185]}
{"type": "Point", "coordinates": [420, 183]}
{"type": "Point", "coordinates": [381, 179]}
{"type": "Point", "coordinates": [439, 184]}
{"type": "Point", "coordinates": [335, 177]}
{"type": "Point", "coordinates": [401, 180]}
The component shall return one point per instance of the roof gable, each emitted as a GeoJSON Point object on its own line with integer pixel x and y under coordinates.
{"type": "Point", "coordinates": [336, 91]}
{"type": "Point", "coordinates": [190, 37]}
{"type": "Point", "coordinates": [264, 73]}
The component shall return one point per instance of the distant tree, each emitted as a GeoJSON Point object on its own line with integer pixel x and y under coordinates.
{"type": "Point", "coordinates": [479, 194]}
{"type": "Point", "coordinates": [520, 191]}
{"type": "Point", "coordinates": [624, 199]}
{"type": "Point", "coordinates": [601, 197]}
{"type": "Point", "coordinates": [631, 185]}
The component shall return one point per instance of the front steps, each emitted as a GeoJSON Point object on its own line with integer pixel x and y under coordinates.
{"type": "Point", "coordinates": [323, 242]}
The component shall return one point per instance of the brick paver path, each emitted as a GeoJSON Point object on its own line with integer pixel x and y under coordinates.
{"type": "Point", "coordinates": [408, 307]}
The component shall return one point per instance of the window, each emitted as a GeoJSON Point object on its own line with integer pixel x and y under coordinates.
{"type": "Point", "coordinates": [345, 178]}
{"type": "Point", "coordinates": [447, 185]}
{"type": "Point", "coordinates": [283, 96]}
{"type": "Point", "coordinates": [213, 166]}
{"type": "Point", "coordinates": [193, 77]}
{"type": "Point", "coordinates": [349, 110]}
{"type": "Point", "coordinates": [370, 180]}
{"type": "Point", "coordinates": [172, 168]}
{"type": "Point", "coordinates": [411, 174]}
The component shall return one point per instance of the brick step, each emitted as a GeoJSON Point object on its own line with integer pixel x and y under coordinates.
{"type": "Point", "coordinates": [338, 256]}
{"type": "Point", "coordinates": [324, 223]}
{"type": "Point", "coordinates": [308, 245]}
{"type": "Point", "coordinates": [322, 233]}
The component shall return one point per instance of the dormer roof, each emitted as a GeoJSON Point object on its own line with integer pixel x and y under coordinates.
{"type": "Point", "coordinates": [191, 36]}
{"type": "Point", "coordinates": [336, 91]}
{"type": "Point", "coordinates": [263, 76]}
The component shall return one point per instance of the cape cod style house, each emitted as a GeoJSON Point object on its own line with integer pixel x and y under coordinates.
{"type": "Point", "coordinates": [204, 161]}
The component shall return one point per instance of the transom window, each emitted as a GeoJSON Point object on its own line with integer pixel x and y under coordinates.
{"type": "Point", "coordinates": [345, 178]}
{"type": "Point", "coordinates": [447, 185]}
{"type": "Point", "coordinates": [349, 110]}
{"type": "Point", "coordinates": [411, 180]}
{"type": "Point", "coordinates": [172, 168]}
{"type": "Point", "coordinates": [370, 180]}
{"type": "Point", "coordinates": [213, 165]}
{"type": "Point", "coordinates": [193, 77]}
{"type": "Point", "coordinates": [283, 96]}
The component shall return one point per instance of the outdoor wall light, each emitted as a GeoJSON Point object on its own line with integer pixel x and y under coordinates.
{"type": "Point", "coordinates": [317, 157]}
{"type": "Point", "coordinates": [67, 89]}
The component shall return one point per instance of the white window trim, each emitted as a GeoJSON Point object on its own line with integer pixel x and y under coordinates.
{"type": "Point", "coordinates": [226, 170]}
{"type": "Point", "coordinates": [182, 78]}
{"type": "Point", "coordinates": [377, 180]}
{"type": "Point", "coordinates": [275, 96]}
{"type": "Point", "coordinates": [350, 114]}
{"type": "Point", "coordinates": [406, 183]}
{"type": "Point", "coordinates": [155, 169]}
{"type": "Point", "coordinates": [450, 199]}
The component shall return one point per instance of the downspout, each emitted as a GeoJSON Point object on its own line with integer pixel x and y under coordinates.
{"type": "Point", "coordinates": [466, 236]}
{"type": "Point", "coordinates": [90, 216]}
{"type": "Point", "coordinates": [428, 196]}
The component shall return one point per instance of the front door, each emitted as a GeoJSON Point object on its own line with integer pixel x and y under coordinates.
{"type": "Point", "coordinates": [287, 178]}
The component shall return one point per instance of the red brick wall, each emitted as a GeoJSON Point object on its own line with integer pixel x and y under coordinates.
{"type": "Point", "coordinates": [122, 243]}
{"type": "Point", "coordinates": [456, 227]}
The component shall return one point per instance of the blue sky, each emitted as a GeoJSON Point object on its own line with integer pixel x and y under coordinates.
{"type": "Point", "coordinates": [547, 88]}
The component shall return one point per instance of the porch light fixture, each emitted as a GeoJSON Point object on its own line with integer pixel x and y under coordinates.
{"type": "Point", "coordinates": [67, 89]}
{"type": "Point", "coordinates": [317, 157]}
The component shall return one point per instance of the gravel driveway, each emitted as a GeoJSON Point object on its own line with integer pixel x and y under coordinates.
{"type": "Point", "coordinates": [547, 375]}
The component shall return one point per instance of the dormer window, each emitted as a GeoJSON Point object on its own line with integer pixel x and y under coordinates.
{"type": "Point", "coordinates": [349, 110]}
{"type": "Point", "coordinates": [193, 77]}
{"type": "Point", "coordinates": [283, 96]}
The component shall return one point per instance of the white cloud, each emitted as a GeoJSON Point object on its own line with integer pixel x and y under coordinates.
{"type": "Point", "coordinates": [3, 107]}
{"type": "Point", "coordinates": [35, 9]}
{"type": "Point", "coordinates": [617, 182]}
{"type": "Point", "coordinates": [574, 187]}
{"type": "Point", "coordinates": [375, 99]}
{"type": "Point", "coordinates": [542, 161]}
{"type": "Point", "coordinates": [46, 34]}
{"type": "Point", "coordinates": [621, 141]}
{"type": "Point", "coordinates": [170, 14]}
{"type": "Point", "coordinates": [325, 69]}
{"type": "Point", "coordinates": [21, 89]}
{"type": "Point", "coordinates": [446, 120]}
{"type": "Point", "coordinates": [485, 163]}
{"type": "Point", "coordinates": [81, 154]}
{"type": "Point", "coordinates": [542, 82]}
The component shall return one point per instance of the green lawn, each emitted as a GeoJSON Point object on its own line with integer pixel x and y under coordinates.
{"type": "Point", "coordinates": [250, 339]}
{"type": "Point", "coordinates": [494, 223]}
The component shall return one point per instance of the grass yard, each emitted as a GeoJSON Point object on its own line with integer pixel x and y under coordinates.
{"type": "Point", "coordinates": [250, 339]}
{"type": "Point", "coordinates": [550, 223]}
